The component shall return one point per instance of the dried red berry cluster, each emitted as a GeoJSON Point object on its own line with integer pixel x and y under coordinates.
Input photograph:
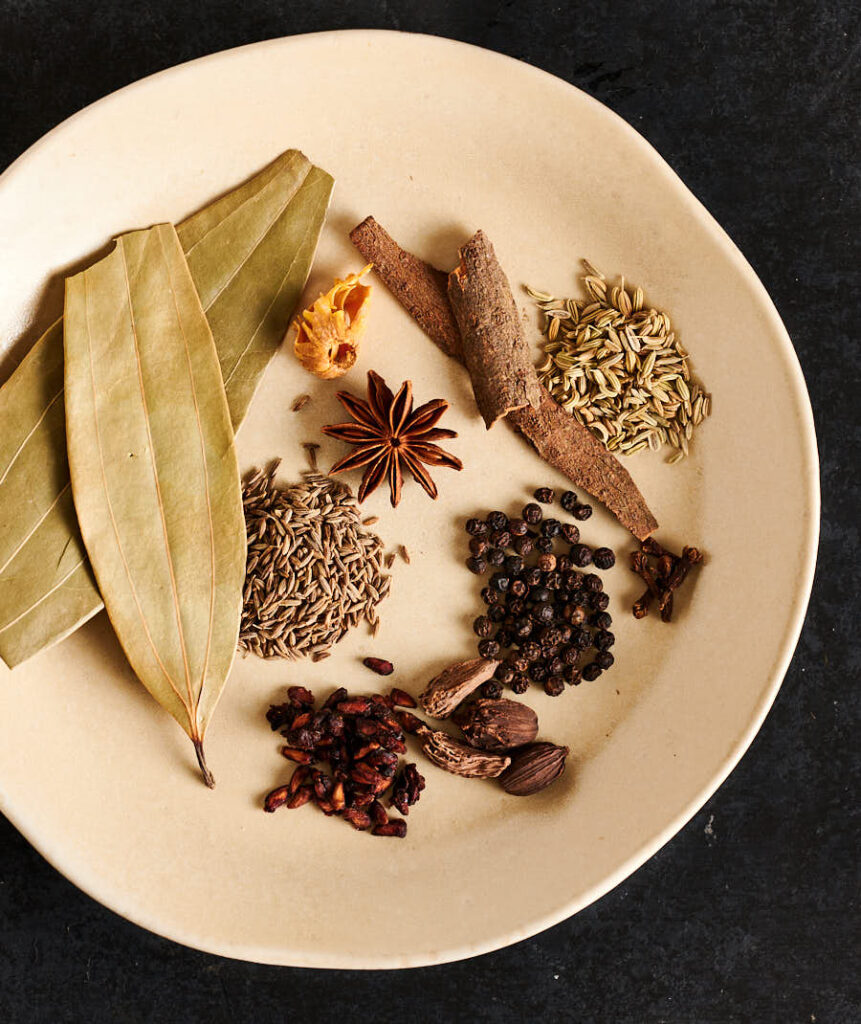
{"type": "Point", "coordinates": [360, 739]}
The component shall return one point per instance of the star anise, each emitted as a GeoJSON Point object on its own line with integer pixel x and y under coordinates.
{"type": "Point", "coordinates": [388, 437]}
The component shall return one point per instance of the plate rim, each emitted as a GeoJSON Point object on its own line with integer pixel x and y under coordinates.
{"type": "Point", "coordinates": [801, 598]}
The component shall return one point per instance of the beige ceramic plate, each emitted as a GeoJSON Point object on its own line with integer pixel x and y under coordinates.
{"type": "Point", "coordinates": [435, 138]}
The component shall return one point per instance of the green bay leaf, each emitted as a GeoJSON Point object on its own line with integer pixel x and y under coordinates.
{"type": "Point", "coordinates": [154, 472]}
{"type": "Point", "coordinates": [249, 253]}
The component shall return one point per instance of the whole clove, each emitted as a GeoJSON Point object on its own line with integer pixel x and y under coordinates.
{"type": "Point", "coordinates": [662, 581]}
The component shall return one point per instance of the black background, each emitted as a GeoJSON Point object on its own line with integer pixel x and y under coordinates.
{"type": "Point", "coordinates": [751, 912]}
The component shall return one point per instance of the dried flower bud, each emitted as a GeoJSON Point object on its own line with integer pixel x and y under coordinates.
{"type": "Point", "coordinates": [533, 768]}
{"type": "Point", "coordinates": [497, 725]}
{"type": "Point", "coordinates": [444, 692]}
{"type": "Point", "coordinates": [328, 332]}
{"type": "Point", "coordinates": [459, 759]}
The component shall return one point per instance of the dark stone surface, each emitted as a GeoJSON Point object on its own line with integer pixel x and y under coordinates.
{"type": "Point", "coordinates": [751, 912]}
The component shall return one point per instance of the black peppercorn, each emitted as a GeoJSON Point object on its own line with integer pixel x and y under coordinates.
{"type": "Point", "coordinates": [532, 513]}
{"type": "Point", "coordinates": [496, 612]}
{"type": "Point", "coordinates": [554, 686]}
{"type": "Point", "coordinates": [540, 595]}
{"type": "Point", "coordinates": [581, 555]}
{"type": "Point", "coordinates": [523, 628]}
{"type": "Point", "coordinates": [500, 538]}
{"type": "Point", "coordinates": [518, 588]}
{"type": "Point", "coordinates": [546, 562]}
{"type": "Point", "coordinates": [544, 545]}
{"type": "Point", "coordinates": [492, 689]}
{"type": "Point", "coordinates": [517, 527]}
{"type": "Point", "coordinates": [530, 650]}
{"type": "Point", "coordinates": [579, 596]}
{"type": "Point", "coordinates": [488, 648]}
{"type": "Point", "coordinates": [477, 545]}
{"type": "Point", "coordinates": [556, 665]}
{"type": "Point", "coordinates": [565, 632]}
{"type": "Point", "coordinates": [553, 580]}
{"type": "Point", "coordinates": [482, 626]}
{"type": "Point", "coordinates": [581, 512]}
{"type": "Point", "coordinates": [604, 639]}
{"type": "Point", "coordinates": [524, 545]}
{"type": "Point", "coordinates": [504, 673]}
{"type": "Point", "coordinates": [516, 605]}
{"type": "Point", "coordinates": [593, 582]}
{"type": "Point", "coordinates": [550, 636]}
{"type": "Point", "coordinates": [500, 581]}
{"type": "Point", "coordinates": [568, 500]}
{"type": "Point", "coordinates": [570, 655]}
{"type": "Point", "coordinates": [603, 558]}
{"type": "Point", "coordinates": [538, 672]}
{"type": "Point", "coordinates": [504, 637]}
{"type": "Point", "coordinates": [497, 521]}
{"type": "Point", "coordinates": [544, 495]}
{"type": "Point", "coordinates": [564, 563]}
{"type": "Point", "coordinates": [495, 556]}
{"type": "Point", "coordinates": [518, 662]}
{"type": "Point", "coordinates": [476, 527]}
{"type": "Point", "coordinates": [599, 601]}
{"type": "Point", "coordinates": [591, 671]}
{"type": "Point", "coordinates": [602, 620]}
{"type": "Point", "coordinates": [551, 528]}
{"type": "Point", "coordinates": [570, 533]}
{"type": "Point", "coordinates": [476, 565]}
{"type": "Point", "coordinates": [533, 577]}
{"type": "Point", "coordinates": [543, 613]}
{"type": "Point", "coordinates": [581, 638]}
{"type": "Point", "coordinates": [513, 563]}
{"type": "Point", "coordinates": [573, 613]}
{"type": "Point", "coordinates": [604, 659]}
{"type": "Point", "coordinates": [488, 596]}
{"type": "Point", "coordinates": [572, 675]}
{"type": "Point", "coordinates": [520, 682]}
{"type": "Point", "coordinates": [572, 579]}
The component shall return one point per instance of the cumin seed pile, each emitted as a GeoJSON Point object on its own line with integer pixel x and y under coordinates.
{"type": "Point", "coordinates": [619, 369]}
{"type": "Point", "coordinates": [313, 571]}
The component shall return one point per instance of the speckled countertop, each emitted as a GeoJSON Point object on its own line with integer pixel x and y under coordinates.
{"type": "Point", "coordinates": [751, 912]}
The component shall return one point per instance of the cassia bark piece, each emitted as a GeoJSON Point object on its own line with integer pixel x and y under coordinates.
{"type": "Point", "coordinates": [494, 348]}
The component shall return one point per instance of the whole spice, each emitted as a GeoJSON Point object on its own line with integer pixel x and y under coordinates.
{"type": "Point", "coordinates": [541, 618]}
{"type": "Point", "coordinates": [662, 581]}
{"type": "Point", "coordinates": [558, 437]}
{"type": "Point", "coordinates": [454, 684]}
{"type": "Point", "coordinates": [618, 367]}
{"type": "Point", "coordinates": [497, 725]}
{"type": "Point", "coordinates": [534, 768]}
{"type": "Point", "coordinates": [328, 332]}
{"type": "Point", "coordinates": [359, 738]}
{"type": "Point", "coordinates": [313, 572]}
{"type": "Point", "coordinates": [380, 666]}
{"type": "Point", "coordinates": [493, 344]}
{"type": "Point", "coordinates": [460, 759]}
{"type": "Point", "coordinates": [389, 436]}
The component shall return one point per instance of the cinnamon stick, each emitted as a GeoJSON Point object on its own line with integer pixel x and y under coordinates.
{"type": "Point", "coordinates": [494, 348]}
{"type": "Point", "coordinates": [419, 287]}
{"type": "Point", "coordinates": [559, 439]}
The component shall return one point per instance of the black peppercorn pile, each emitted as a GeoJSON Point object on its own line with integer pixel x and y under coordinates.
{"type": "Point", "coordinates": [544, 615]}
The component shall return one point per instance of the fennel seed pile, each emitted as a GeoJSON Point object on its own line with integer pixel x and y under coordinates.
{"type": "Point", "coordinates": [619, 369]}
{"type": "Point", "coordinates": [313, 570]}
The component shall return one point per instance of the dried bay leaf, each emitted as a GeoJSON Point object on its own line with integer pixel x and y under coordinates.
{"type": "Point", "coordinates": [154, 471]}
{"type": "Point", "coordinates": [249, 253]}
{"type": "Point", "coordinates": [46, 586]}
